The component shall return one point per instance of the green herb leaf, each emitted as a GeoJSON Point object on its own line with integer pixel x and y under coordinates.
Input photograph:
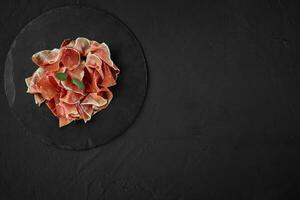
{"type": "Point", "coordinates": [78, 83]}
{"type": "Point", "coordinates": [61, 76]}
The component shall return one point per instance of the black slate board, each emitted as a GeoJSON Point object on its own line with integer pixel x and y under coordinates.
{"type": "Point", "coordinates": [46, 32]}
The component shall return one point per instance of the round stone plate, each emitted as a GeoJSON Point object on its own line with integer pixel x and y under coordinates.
{"type": "Point", "coordinates": [47, 32]}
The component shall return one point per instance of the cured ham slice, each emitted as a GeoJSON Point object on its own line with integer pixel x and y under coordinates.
{"type": "Point", "coordinates": [68, 85]}
{"type": "Point", "coordinates": [73, 80]}
{"type": "Point", "coordinates": [93, 61]}
{"type": "Point", "coordinates": [85, 111]}
{"type": "Point", "coordinates": [47, 59]}
{"type": "Point", "coordinates": [70, 58]}
{"type": "Point", "coordinates": [46, 88]}
{"type": "Point", "coordinates": [77, 72]}
{"type": "Point", "coordinates": [110, 76]}
{"type": "Point", "coordinates": [39, 99]}
{"type": "Point", "coordinates": [95, 100]}
{"type": "Point", "coordinates": [71, 97]}
{"type": "Point", "coordinates": [82, 45]}
{"type": "Point", "coordinates": [67, 43]}
{"type": "Point", "coordinates": [52, 105]}
{"type": "Point", "coordinates": [102, 51]}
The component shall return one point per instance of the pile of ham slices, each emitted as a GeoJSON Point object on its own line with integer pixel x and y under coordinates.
{"type": "Point", "coordinates": [73, 80]}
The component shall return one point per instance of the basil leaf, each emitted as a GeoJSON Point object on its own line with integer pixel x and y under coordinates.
{"type": "Point", "coordinates": [61, 76]}
{"type": "Point", "coordinates": [78, 83]}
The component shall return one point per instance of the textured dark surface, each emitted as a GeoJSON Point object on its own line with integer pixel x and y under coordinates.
{"type": "Point", "coordinates": [72, 22]}
{"type": "Point", "coordinates": [221, 117]}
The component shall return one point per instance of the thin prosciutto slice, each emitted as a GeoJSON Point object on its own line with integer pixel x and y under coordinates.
{"type": "Point", "coordinates": [83, 90]}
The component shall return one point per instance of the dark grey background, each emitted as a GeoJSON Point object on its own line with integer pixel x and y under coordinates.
{"type": "Point", "coordinates": [221, 118]}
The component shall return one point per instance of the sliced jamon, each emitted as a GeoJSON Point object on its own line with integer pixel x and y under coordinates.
{"type": "Point", "coordinates": [73, 81]}
{"type": "Point", "coordinates": [52, 105]}
{"type": "Point", "coordinates": [70, 58]}
{"type": "Point", "coordinates": [68, 109]}
{"type": "Point", "coordinates": [67, 43]}
{"type": "Point", "coordinates": [95, 100]}
{"type": "Point", "coordinates": [94, 62]}
{"type": "Point", "coordinates": [82, 45]}
{"type": "Point", "coordinates": [46, 88]}
{"type": "Point", "coordinates": [32, 80]}
{"type": "Point", "coordinates": [71, 97]}
{"type": "Point", "coordinates": [102, 51]}
{"type": "Point", "coordinates": [110, 70]}
{"type": "Point", "coordinates": [106, 94]}
{"type": "Point", "coordinates": [91, 79]}
{"type": "Point", "coordinates": [47, 59]}
{"type": "Point", "coordinates": [85, 111]}
{"type": "Point", "coordinates": [68, 85]}
{"type": "Point", "coordinates": [109, 76]}
{"type": "Point", "coordinates": [39, 99]}
{"type": "Point", "coordinates": [78, 72]}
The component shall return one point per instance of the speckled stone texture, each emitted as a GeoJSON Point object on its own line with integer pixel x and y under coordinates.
{"type": "Point", "coordinates": [220, 120]}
